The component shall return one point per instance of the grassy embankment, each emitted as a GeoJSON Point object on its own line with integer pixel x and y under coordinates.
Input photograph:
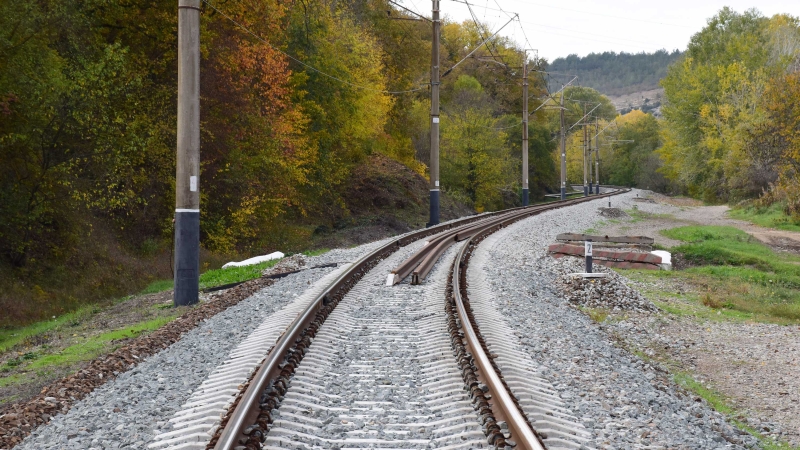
{"type": "Point", "coordinates": [731, 276]}
{"type": "Point", "coordinates": [734, 276]}
{"type": "Point", "coordinates": [772, 216]}
{"type": "Point", "coordinates": [48, 349]}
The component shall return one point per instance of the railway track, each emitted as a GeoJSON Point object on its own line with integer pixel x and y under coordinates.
{"type": "Point", "coordinates": [382, 371]}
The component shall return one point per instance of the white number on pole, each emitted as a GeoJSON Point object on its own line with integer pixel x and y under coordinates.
{"type": "Point", "coordinates": [587, 248]}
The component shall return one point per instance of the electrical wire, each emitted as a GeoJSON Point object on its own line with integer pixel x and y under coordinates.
{"type": "Point", "coordinates": [480, 29]}
{"type": "Point", "coordinates": [475, 50]}
{"type": "Point", "coordinates": [412, 12]}
{"type": "Point", "coordinates": [416, 8]}
{"type": "Point", "coordinates": [308, 66]}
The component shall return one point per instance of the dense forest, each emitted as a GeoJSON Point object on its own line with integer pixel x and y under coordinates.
{"type": "Point", "coordinates": [299, 100]}
{"type": "Point", "coordinates": [732, 116]}
{"type": "Point", "coordinates": [294, 97]}
{"type": "Point", "coordinates": [614, 73]}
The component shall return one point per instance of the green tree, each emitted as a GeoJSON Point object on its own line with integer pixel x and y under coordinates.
{"type": "Point", "coordinates": [715, 98]}
{"type": "Point", "coordinates": [474, 161]}
{"type": "Point", "coordinates": [635, 163]}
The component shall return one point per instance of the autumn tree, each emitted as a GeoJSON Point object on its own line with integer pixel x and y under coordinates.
{"type": "Point", "coordinates": [715, 100]}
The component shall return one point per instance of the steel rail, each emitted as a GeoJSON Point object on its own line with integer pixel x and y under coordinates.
{"type": "Point", "coordinates": [422, 262]}
{"type": "Point", "coordinates": [246, 412]}
{"type": "Point", "coordinates": [522, 433]}
{"type": "Point", "coordinates": [428, 256]}
{"type": "Point", "coordinates": [456, 230]}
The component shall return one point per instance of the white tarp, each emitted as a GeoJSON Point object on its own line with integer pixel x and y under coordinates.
{"type": "Point", "coordinates": [254, 260]}
{"type": "Point", "coordinates": [666, 259]}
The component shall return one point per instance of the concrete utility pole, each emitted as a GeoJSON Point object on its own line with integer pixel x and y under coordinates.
{"type": "Point", "coordinates": [187, 179]}
{"type": "Point", "coordinates": [596, 157]}
{"type": "Point", "coordinates": [585, 144]}
{"type": "Point", "coordinates": [434, 217]}
{"type": "Point", "coordinates": [563, 151]}
{"type": "Point", "coordinates": [525, 132]}
{"type": "Point", "coordinates": [589, 159]}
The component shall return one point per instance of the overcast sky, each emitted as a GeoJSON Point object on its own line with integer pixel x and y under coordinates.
{"type": "Point", "coordinates": [560, 28]}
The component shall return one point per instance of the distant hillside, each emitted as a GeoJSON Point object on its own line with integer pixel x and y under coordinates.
{"type": "Point", "coordinates": [615, 74]}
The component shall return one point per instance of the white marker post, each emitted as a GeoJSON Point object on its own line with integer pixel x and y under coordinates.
{"type": "Point", "coordinates": [587, 250]}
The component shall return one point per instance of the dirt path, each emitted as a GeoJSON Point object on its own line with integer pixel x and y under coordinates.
{"type": "Point", "coordinates": [754, 365]}
{"type": "Point", "coordinates": [684, 214]}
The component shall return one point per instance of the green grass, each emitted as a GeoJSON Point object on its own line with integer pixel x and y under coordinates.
{"type": "Point", "coordinates": [599, 225]}
{"type": "Point", "coordinates": [157, 286]}
{"type": "Point", "coordinates": [85, 350]}
{"type": "Point", "coordinates": [317, 252]}
{"type": "Point", "coordinates": [770, 217]}
{"type": "Point", "coordinates": [720, 404]}
{"type": "Point", "coordinates": [736, 272]}
{"type": "Point", "coordinates": [599, 315]}
{"type": "Point", "coordinates": [11, 337]}
{"type": "Point", "coordinates": [219, 277]}
{"type": "Point", "coordinates": [714, 398]}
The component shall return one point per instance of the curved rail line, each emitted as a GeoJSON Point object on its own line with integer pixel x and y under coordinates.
{"type": "Point", "coordinates": [473, 351]}
{"type": "Point", "coordinates": [247, 423]}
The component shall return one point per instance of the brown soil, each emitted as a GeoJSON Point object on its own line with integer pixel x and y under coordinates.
{"type": "Point", "coordinates": [384, 198]}
{"type": "Point", "coordinates": [18, 419]}
{"type": "Point", "coordinates": [129, 312]}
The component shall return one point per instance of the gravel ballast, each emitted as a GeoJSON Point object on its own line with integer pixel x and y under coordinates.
{"type": "Point", "coordinates": [609, 292]}
{"type": "Point", "coordinates": [624, 401]}
{"type": "Point", "coordinates": [124, 413]}
{"type": "Point", "coordinates": [380, 372]}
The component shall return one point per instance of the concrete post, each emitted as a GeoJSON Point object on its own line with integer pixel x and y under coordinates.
{"type": "Point", "coordinates": [525, 132]}
{"type": "Point", "coordinates": [587, 246]}
{"type": "Point", "coordinates": [596, 157]}
{"type": "Point", "coordinates": [585, 144]}
{"type": "Point", "coordinates": [434, 170]}
{"type": "Point", "coordinates": [563, 150]}
{"type": "Point", "coordinates": [187, 179]}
